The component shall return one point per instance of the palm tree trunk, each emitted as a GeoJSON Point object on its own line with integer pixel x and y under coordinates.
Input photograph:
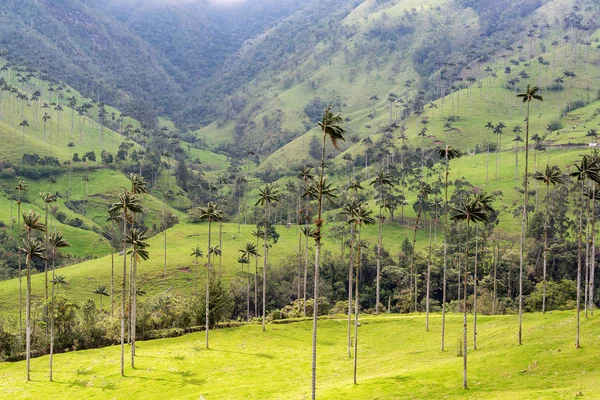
{"type": "Point", "coordinates": [256, 283]}
{"type": "Point", "coordinates": [445, 253]}
{"type": "Point", "coordinates": [545, 257]}
{"type": "Point", "coordinates": [428, 283]}
{"type": "Point", "coordinates": [207, 310]}
{"type": "Point", "coordinates": [579, 249]}
{"type": "Point", "coordinates": [475, 289]}
{"type": "Point", "coordinates": [123, 286]}
{"type": "Point", "coordinates": [133, 307]}
{"type": "Point", "coordinates": [305, 270]}
{"type": "Point", "coordinates": [220, 248]}
{"type": "Point", "coordinates": [379, 240]}
{"type": "Point", "coordinates": [264, 288]}
{"type": "Point", "coordinates": [46, 271]}
{"type": "Point", "coordinates": [28, 311]}
{"type": "Point", "coordinates": [358, 264]}
{"type": "Point", "coordinates": [465, 279]}
{"type": "Point", "coordinates": [20, 273]}
{"type": "Point", "coordinates": [52, 320]}
{"type": "Point", "coordinates": [247, 293]}
{"type": "Point", "coordinates": [350, 273]}
{"type": "Point", "coordinates": [319, 224]}
{"type": "Point", "coordinates": [523, 224]}
{"type": "Point", "coordinates": [593, 256]}
{"type": "Point", "coordinates": [112, 283]}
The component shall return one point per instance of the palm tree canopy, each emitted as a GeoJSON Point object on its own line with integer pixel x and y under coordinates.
{"type": "Point", "coordinates": [249, 250]}
{"type": "Point", "coordinates": [138, 184]}
{"type": "Point", "coordinates": [363, 216]}
{"type": "Point", "coordinates": [215, 250]}
{"type": "Point", "coordinates": [551, 175]}
{"type": "Point", "coordinates": [530, 94]}
{"type": "Point", "coordinates": [382, 178]}
{"type": "Point", "coordinates": [137, 240]}
{"type": "Point", "coordinates": [267, 195]}
{"type": "Point", "coordinates": [197, 252]}
{"type": "Point", "coordinates": [32, 221]}
{"type": "Point", "coordinates": [101, 290]}
{"type": "Point", "coordinates": [128, 204]}
{"type": "Point", "coordinates": [448, 153]}
{"type": "Point", "coordinates": [56, 241]}
{"type": "Point", "coordinates": [586, 169]}
{"type": "Point", "coordinates": [33, 248]}
{"type": "Point", "coordinates": [211, 212]}
{"type": "Point", "coordinates": [330, 126]}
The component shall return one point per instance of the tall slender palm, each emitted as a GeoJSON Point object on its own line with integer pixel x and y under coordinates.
{"type": "Point", "coordinates": [258, 233]}
{"type": "Point", "coordinates": [250, 250]}
{"type": "Point", "coordinates": [136, 239]}
{"type": "Point", "coordinates": [32, 248]}
{"type": "Point", "coordinates": [350, 210]}
{"type": "Point", "coordinates": [47, 198]}
{"type": "Point", "coordinates": [530, 94]}
{"type": "Point", "coordinates": [551, 175]}
{"type": "Point", "coordinates": [55, 241]}
{"type": "Point", "coordinates": [446, 154]}
{"type": "Point", "coordinates": [267, 195]}
{"type": "Point", "coordinates": [307, 231]}
{"type": "Point", "coordinates": [101, 291]}
{"type": "Point", "coordinates": [469, 212]}
{"type": "Point", "coordinates": [21, 187]}
{"type": "Point", "coordinates": [128, 205]}
{"type": "Point", "coordinates": [362, 216]}
{"type": "Point", "coordinates": [24, 124]}
{"type": "Point", "coordinates": [482, 201]}
{"type": "Point", "coordinates": [330, 126]}
{"type": "Point", "coordinates": [211, 213]}
{"type": "Point", "coordinates": [197, 253]}
{"type": "Point", "coordinates": [381, 181]}
{"type": "Point", "coordinates": [587, 169]}
{"type": "Point", "coordinates": [114, 218]}
{"type": "Point", "coordinates": [422, 195]}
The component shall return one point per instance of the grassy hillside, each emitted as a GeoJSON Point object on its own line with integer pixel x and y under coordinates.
{"type": "Point", "coordinates": [182, 275]}
{"type": "Point", "coordinates": [247, 363]}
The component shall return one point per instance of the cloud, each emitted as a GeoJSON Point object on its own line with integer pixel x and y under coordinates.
{"type": "Point", "coordinates": [226, 3]}
{"type": "Point", "coordinates": [216, 3]}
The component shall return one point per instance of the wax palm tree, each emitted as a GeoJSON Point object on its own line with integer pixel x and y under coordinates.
{"type": "Point", "coordinates": [361, 216]}
{"type": "Point", "coordinates": [21, 187]}
{"type": "Point", "coordinates": [45, 118]}
{"type": "Point", "coordinates": [250, 250]}
{"type": "Point", "coordinates": [258, 233]}
{"type": "Point", "coordinates": [211, 213]}
{"type": "Point", "coordinates": [350, 210]}
{"type": "Point", "coordinates": [482, 201]}
{"type": "Point", "coordinates": [468, 212]}
{"type": "Point", "coordinates": [422, 195]}
{"type": "Point", "coordinates": [267, 195]}
{"type": "Point", "coordinates": [446, 154]}
{"type": "Point", "coordinates": [128, 205]}
{"type": "Point", "coordinates": [307, 231]}
{"type": "Point", "coordinates": [551, 175]}
{"type": "Point", "coordinates": [24, 124]}
{"type": "Point", "coordinates": [196, 253]}
{"type": "Point", "coordinates": [136, 239]}
{"type": "Point", "coordinates": [331, 128]}
{"type": "Point", "coordinates": [114, 218]}
{"type": "Point", "coordinates": [587, 169]}
{"type": "Point", "coordinates": [59, 280]}
{"type": "Point", "coordinates": [101, 291]}
{"type": "Point", "coordinates": [381, 181]}
{"type": "Point", "coordinates": [32, 248]}
{"type": "Point", "coordinates": [47, 198]}
{"type": "Point", "coordinates": [530, 94]}
{"type": "Point", "coordinates": [55, 241]}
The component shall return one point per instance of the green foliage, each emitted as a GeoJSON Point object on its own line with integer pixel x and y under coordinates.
{"type": "Point", "coordinates": [559, 296]}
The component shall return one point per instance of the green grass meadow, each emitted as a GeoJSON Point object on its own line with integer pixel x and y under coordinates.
{"type": "Point", "coordinates": [398, 359]}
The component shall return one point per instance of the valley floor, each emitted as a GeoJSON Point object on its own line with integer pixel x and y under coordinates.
{"type": "Point", "coordinates": [398, 359]}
